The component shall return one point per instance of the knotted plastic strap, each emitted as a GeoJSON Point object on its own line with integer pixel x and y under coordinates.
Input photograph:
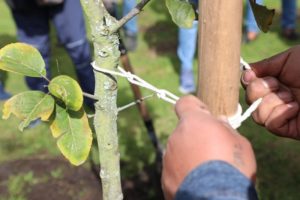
{"type": "Point", "coordinates": [235, 121]}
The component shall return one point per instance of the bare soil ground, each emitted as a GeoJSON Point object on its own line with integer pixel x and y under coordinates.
{"type": "Point", "coordinates": [52, 178]}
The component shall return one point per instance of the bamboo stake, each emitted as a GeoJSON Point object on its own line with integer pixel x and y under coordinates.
{"type": "Point", "coordinates": [219, 54]}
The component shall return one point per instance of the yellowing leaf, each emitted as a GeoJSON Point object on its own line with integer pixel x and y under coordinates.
{"type": "Point", "coordinates": [68, 90]}
{"type": "Point", "coordinates": [29, 106]}
{"type": "Point", "coordinates": [60, 123]}
{"type": "Point", "coordinates": [23, 59]}
{"type": "Point", "coordinates": [182, 12]}
{"type": "Point", "coordinates": [263, 15]}
{"type": "Point", "coordinates": [75, 135]}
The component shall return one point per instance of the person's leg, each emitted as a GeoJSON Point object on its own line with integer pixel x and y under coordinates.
{"type": "Point", "coordinates": [111, 7]}
{"type": "Point", "coordinates": [3, 94]}
{"type": "Point", "coordinates": [131, 27]}
{"type": "Point", "coordinates": [289, 14]}
{"type": "Point", "coordinates": [73, 37]}
{"type": "Point", "coordinates": [33, 29]}
{"type": "Point", "coordinates": [288, 20]}
{"type": "Point", "coordinates": [251, 26]}
{"type": "Point", "coordinates": [187, 41]}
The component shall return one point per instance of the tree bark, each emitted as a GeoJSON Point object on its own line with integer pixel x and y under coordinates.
{"type": "Point", "coordinates": [107, 55]}
{"type": "Point", "coordinates": [220, 27]}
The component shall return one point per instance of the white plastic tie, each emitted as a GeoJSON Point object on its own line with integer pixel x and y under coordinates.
{"type": "Point", "coordinates": [244, 65]}
{"type": "Point", "coordinates": [134, 79]}
{"type": "Point", "coordinates": [237, 119]}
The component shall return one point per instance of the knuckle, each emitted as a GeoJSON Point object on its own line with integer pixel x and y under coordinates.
{"type": "Point", "coordinates": [256, 117]}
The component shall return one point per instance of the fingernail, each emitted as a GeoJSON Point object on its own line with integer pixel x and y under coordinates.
{"type": "Point", "coordinates": [292, 104]}
{"type": "Point", "coordinates": [248, 76]}
{"type": "Point", "coordinates": [270, 83]}
{"type": "Point", "coordinates": [223, 118]}
{"type": "Point", "coordinates": [285, 96]}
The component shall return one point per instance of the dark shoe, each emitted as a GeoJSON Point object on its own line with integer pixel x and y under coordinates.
{"type": "Point", "coordinates": [290, 34]}
{"type": "Point", "coordinates": [130, 41]}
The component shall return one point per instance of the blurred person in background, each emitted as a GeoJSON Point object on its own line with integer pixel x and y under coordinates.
{"type": "Point", "coordinates": [131, 27]}
{"type": "Point", "coordinates": [288, 21]}
{"type": "Point", "coordinates": [3, 94]}
{"type": "Point", "coordinates": [32, 19]}
{"type": "Point", "coordinates": [252, 29]}
{"type": "Point", "coordinates": [187, 43]}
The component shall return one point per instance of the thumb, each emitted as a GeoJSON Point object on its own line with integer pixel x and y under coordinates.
{"type": "Point", "coordinates": [188, 105]}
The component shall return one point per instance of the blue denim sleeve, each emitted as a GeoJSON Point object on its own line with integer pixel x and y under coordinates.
{"type": "Point", "coordinates": [216, 180]}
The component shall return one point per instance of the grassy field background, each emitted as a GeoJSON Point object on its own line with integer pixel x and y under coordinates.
{"type": "Point", "coordinates": [155, 60]}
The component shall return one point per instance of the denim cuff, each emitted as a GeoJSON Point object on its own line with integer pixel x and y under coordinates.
{"type": "Point", "coordinates": [216, 180]}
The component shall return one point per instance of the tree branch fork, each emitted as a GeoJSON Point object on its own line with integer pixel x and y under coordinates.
{"type": "Point", "coordinates": [135, 11]}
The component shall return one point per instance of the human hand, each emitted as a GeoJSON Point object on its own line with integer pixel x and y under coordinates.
{"type": "Point", "coordinates": [277, 81]}
{"type": "Point", "coordinates": [199, 138]}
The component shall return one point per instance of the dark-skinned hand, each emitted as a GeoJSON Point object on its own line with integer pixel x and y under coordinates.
{"type": "Point", "coordinates": [277, 81]}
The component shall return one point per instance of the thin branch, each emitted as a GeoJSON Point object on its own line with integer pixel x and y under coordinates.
{"type": "Point", "coordinates": [90, 96]}
{"type": "Point", "coordinates": [135, 11]}
{"type": "Point", "coordinates": [134, 103]}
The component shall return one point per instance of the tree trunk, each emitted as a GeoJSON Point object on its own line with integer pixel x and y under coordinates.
{"type": "Point", "coordinates": [107, 55]}
{"type": "Point", "coordinates": [220, 29]}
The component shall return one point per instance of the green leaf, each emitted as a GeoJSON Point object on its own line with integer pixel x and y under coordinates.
{"type": "Point", "coordinates": [29, 106]}
{"type": "Point", "coordinates": [68, 90]}
{"type": "Point", "coordinates": [75, 135]}
{"type": "Point", "coordinates": [182, 12]}
{"type": "Point", "coordinates": [263, 15]}
{"type": "Point", "coordinates": [23, 59]}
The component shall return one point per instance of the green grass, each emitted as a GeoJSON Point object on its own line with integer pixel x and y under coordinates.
{"type": "Point", "coordinates": [155, 60]}
{"type": "Point", "coordinates": [19, 184]}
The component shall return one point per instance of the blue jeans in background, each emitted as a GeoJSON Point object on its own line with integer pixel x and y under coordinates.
{"type": "Point", "coordinates": [33, 28]}
{"type": "Point", "coordinates": [3, 94]}
{"type": "Point", "coordinates": [187, 42]}
{"type": "Point", "coordinates": [250, 22]}
{"type": "Point", "coordinates": [130, 27]}
{"type": "Point", "coordinates": [289, 14]}
{"type": "Point", "coordinates": [288, 19]}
